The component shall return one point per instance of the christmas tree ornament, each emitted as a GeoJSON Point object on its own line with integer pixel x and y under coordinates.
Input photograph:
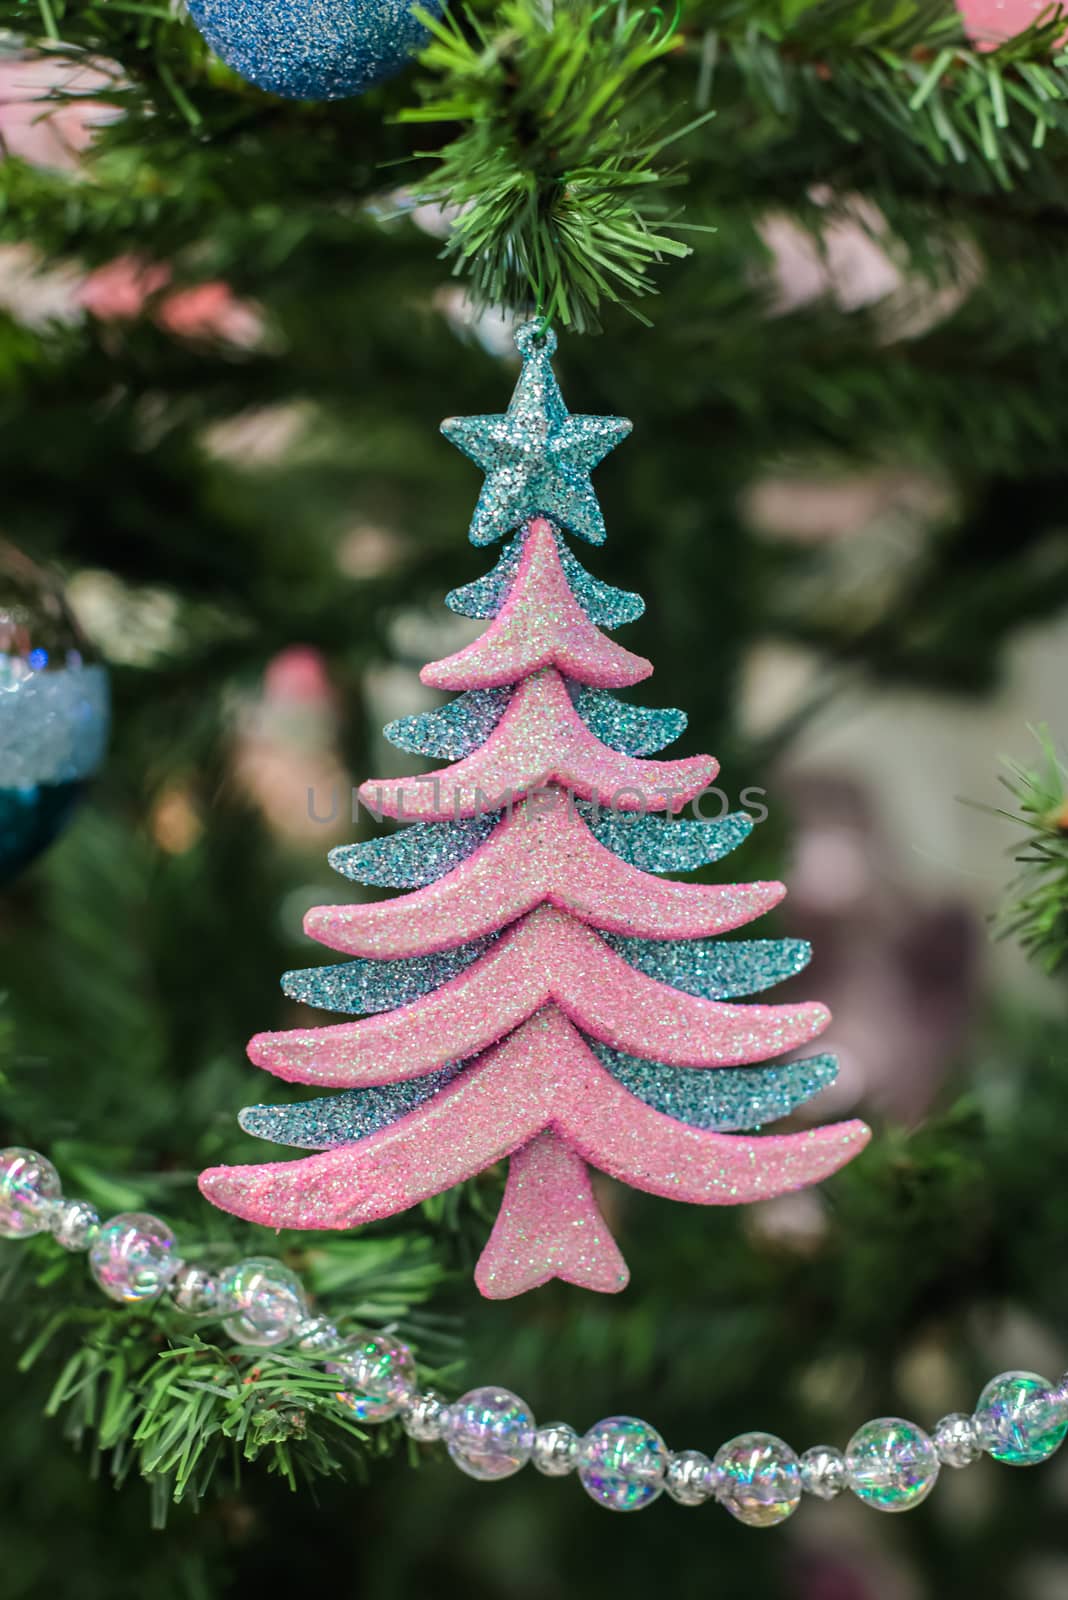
{"type": "Point", "coordinates": [542, 992]}
{"type": "Point", "coordinates": [54, 711]}
{"type": "Point", "coordinates": [311, 50]}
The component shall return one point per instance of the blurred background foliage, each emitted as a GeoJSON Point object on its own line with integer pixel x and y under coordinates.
{"type": "Point", "coordinates": [227, 337]}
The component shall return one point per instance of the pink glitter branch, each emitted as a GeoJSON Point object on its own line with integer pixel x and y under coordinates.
{"type": "Point", "coordinates": [540, 739]}
{"type": "Point", "coordinates": [541, 624]}
{"type": "Point", "coordinates": [543, 852]}
{"type": "Point", "coordinates": [542, 1076]}
{"type": "Point", "coordinates": [546, 958]}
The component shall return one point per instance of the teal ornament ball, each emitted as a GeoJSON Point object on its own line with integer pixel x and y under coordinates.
{"type": "Point", "coordinates": [54, 712]}
{"type": "Point", "coordinates": [312, 49]}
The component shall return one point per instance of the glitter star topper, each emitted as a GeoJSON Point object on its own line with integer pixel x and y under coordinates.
{"type": "Point", "coordinates": [542, 992]}
{"type": "Point", "coordinates": [537, 457]}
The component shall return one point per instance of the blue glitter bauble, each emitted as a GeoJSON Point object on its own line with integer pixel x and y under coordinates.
{"type": "Point", "coordinates": [308, 49]}
{"type": "Point", "coordinates": [53, 713]}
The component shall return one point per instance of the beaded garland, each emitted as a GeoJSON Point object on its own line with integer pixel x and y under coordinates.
{"type": "Point", "coordinates": [622, 1462]}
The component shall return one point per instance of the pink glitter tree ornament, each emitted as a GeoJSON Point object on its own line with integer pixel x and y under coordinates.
{"type": "Point", "coordinates": [536, 995]}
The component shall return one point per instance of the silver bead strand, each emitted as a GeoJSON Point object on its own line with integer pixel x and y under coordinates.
{"type": "Point", "coordinates": [956, 1438]}
{"type": "Point", "coordinates": [555, 1451]}
{"type": "Point", "coordinates": [426, 1416]}
{"type": "Point", "coordinates": [823, 1472]}
{"type": "Point", "coordinates": [690, 1478]}
{"type": "Point", "coordinates": [195, 1291]}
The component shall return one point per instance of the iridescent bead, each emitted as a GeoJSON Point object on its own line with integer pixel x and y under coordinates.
{"type": "Point", "coordinates": [74, 1223]}
{"type": "Point", "coordinates": [195, 1291]}
{"type": "Point", "coordinates": [380, 1373]}
{"type": "Point", "coordinates": [1020, 1421]}
{"type": "Point", "coordinates": [760, 1479]}
{"type": "Point", "coordinates": [425, 1416]}
{"type": "Point", "coordinates": [380, 1366]}
{"type": "Point", "coordinates": [555, 1450]}
{"type": "Point", "coordinates": [690, 1478]}
{"type": "Point", "coordinates": [823, 1472]}
{"type": "Point", "coordinates": [622, 1463]}
{"type": "Point", "coordinates": [490, 1433]}
{"type": "Point", "coordinates": [956, 1438]}
{"type": "Point", "coordinates": [134, 1257]}
{"type": "Point", "coordinates": [264, 1302]}
{"type": "Point", "coordinates": [29, 1188]}
{"type": "Point", "coordinates": [892, 1464]}
{"type": "Point", "coordinates": [317, 1336]}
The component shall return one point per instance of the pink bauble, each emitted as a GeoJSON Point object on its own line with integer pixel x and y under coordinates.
{"type": "Point", "coordinates": [990, 22]}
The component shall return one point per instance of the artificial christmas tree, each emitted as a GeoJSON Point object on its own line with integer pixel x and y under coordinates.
{"type": "Point", "coordinates": [544, 997]}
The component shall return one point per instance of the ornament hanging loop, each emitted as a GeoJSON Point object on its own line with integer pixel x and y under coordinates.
{"type": "Point", "coordinates": [535, 338]}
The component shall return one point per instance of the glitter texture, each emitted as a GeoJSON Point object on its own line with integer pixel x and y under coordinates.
{"type": "Point", "coordinates": [606, 606]}
{"type": "Point", "coordinates": [730, 1101]}
{"type": "Point", "coordinates": [654, 845]}
{"type": "Point", "coordinates": [541, 739]}
{"type": "Point", "coordinates": [541, 624]}
{"type": "Point", "coordinates": [453, 731]}
{"type": "Point", "coordinates": [633, 730]}
{"type": "Point", "coordinates": [412, 857]}
{"type": "Point", "coordinates": [305, 50]}
{"type": "Point", "coordinates": [332, 1120]}
{"type": "Point", "coordinates": [714, 968]}
{"type": "Point", "coordinates": [549, 1226]}
{"type": "Point", "coordinates": [537, 457]}
{"type": "Point", "coordinates": [53, 724]}
{"type": "Point", "coordinates": [542, 1075]}
{"type": "Point", "coordinates": [360, 987]}
{"type": "Point", "coordinates": [547, 957]}
{"type": "Point", "coordinates": [542, 993]}
{"type": "Point", "coordinates": [542, 852]}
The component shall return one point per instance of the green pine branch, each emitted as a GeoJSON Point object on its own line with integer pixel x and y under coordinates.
{"type": "Point", "coordinates": [556, 178]}
{"type": "Point", "coordinates": [558, 152]}
{"type": "Point", "coordinates": [1036, 909]}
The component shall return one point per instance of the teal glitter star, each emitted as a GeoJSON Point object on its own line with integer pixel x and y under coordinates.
{"type": "Point", "coordinates": [537, 457]}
